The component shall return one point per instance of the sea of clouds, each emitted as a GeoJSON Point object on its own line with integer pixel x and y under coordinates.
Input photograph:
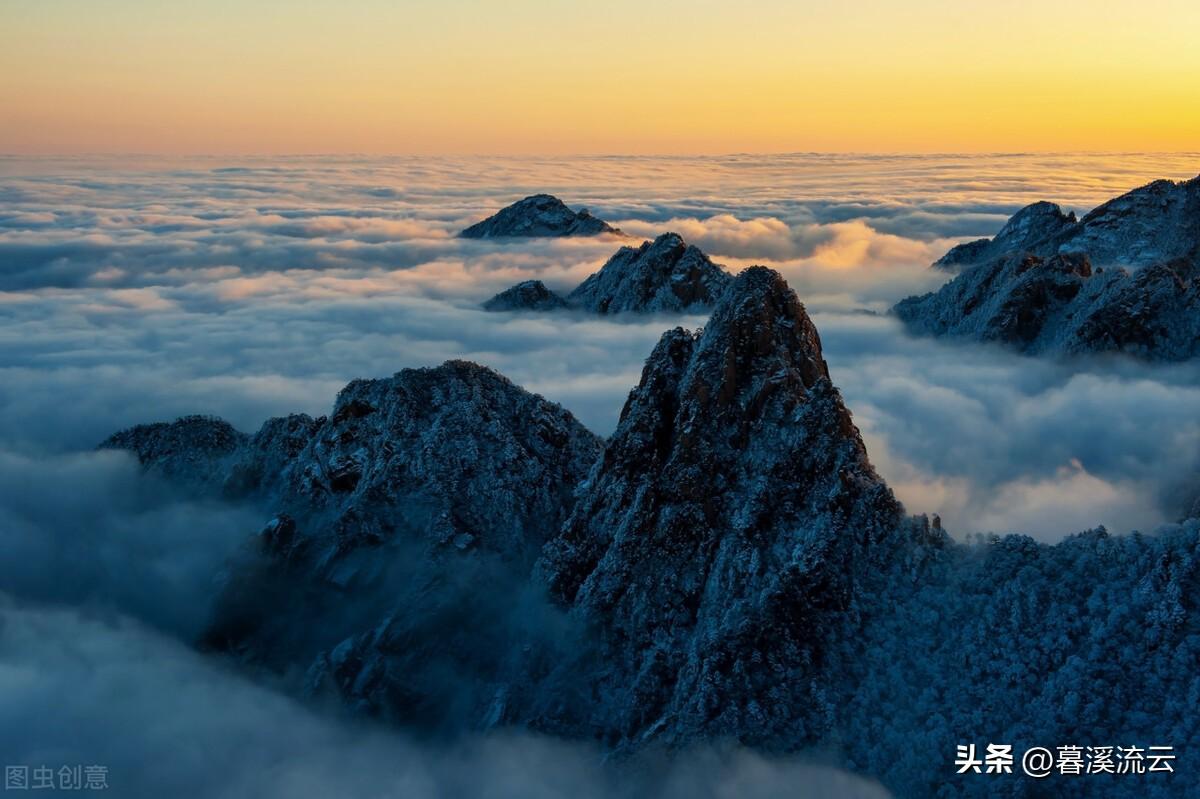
{"type": "Point", "coordinates": [135, 290]}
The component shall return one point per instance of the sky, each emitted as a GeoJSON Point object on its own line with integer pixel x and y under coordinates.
{"type": "Point", "coordinates": [561, 77]}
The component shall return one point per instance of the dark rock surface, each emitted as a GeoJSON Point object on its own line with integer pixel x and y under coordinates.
{"type": "Point", "coordinates": [1027, 228]}
{"type": "Point", "coordinates": [538, 215]}
{"type": "Point", "coordinates": [721, 534]}
{"type": "Point", "coordinates": [529, 295]}
{"type": "Point", "coordinates": [664, 275]}
{"type": "Point", "coordinates": [419, 494]}
{"type": "Point", "coordinates": [1122, 279]}
{"type": "Point", "coordinates": [193, 449]}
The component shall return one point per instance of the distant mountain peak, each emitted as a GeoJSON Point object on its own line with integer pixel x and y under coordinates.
{"type": "Point", "coordinates": [1152, 224]}
{"type": "Point", "coordinates": [663, 275]}
{"type": "Point", "coordinates": [538, 215]}
{"type": "Point", "coordinates": [192, 449]}
{"type": "Point", "coordinates": [1121, 279]}
{"type": "Point", "coordinates": [1025, 229]}
{"type": "Point", "coordinates": [528, 295]}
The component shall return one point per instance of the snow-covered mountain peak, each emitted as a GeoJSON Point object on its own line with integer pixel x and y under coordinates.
{"type": "Point", "coordinates": [663, 275]}
{"type": "Point", "coordinates": [538, 215]}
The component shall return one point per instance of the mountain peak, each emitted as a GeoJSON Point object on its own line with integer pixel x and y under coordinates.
{"type": "Point", "coordinates": [538, 215]}
{"type": "Point", "coordinates": [663, 275]}
{"type": "Point", "coordinates": [192, 449]}
{"type": "Point", "coordinates": [762, 319]}
{"type": "Point", "coordinates": [1033, 224]}
{"type": "Point", "coordinates": [528, 295]}
{"type": "Point", "coordinates": [734, 500]}
{"type": "Point", "coordinates": [1152, 224]}
{"type": "Point", "coordinates": [1121, 279]}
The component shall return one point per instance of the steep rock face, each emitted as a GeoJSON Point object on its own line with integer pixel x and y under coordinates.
{"type": "Point", "coordinates": [1026, 229]}
{"type": "Point", "coordinates": [454, 455]}
{"type": "Point", "coordinates": [723, 529]}
{"type": "Point", "coordinates": [529, 295]}
{"type": "Point", "coordinates": [1122, 279]}
{"type": "Point", "coordinates": [1061, 305]}
{"type": "Point", "coordinates": [664, 275]}
{"type": "Point", "coordinates": [195, 450]}
{"type": "Point", "coordinates": [431, 492]}
{"type": "Point", "coordinates": [1155, 224]}
{"type": "Point", "coordinates": [265, 457]}
{"type": "Point", "coordinates": [396, 569]}
{"type": "Point", "coordinates": [538, 215]}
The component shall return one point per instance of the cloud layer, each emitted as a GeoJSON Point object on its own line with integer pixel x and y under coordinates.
{"type": "Point", "coordinates": [137, 291]}
{"type": "Point", "coordinates": [83, 690]}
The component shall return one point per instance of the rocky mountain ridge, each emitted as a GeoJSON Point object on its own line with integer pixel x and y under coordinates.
{"type": "Point", "coordinates": [725, 528]}
{"type": "Point", "coordinates": [1152, 224]}
{"type": "Point", "coordinates": [535, 216]}
{"type": "Point", "coordinates": [1120, 280]}
{"type": "Point", "coordinates": [528, 295]}
{"type": "Point", "coordinates": [1025, 230]}
{"type": "Point", "coordinates": [666, 275]}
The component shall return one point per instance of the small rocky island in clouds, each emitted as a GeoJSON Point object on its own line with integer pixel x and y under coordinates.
{"type": "Point", "coordinates": [666, 275]}
{"type": "Point", "coordinates": [528, 295]}
{"type": "Point", "coordinates": [538, 215]}
{"type": "Point", "coordinates": [1123, 279]}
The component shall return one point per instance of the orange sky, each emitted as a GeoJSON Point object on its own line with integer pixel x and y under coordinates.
{"type": "Point", "coordinates": [528, 76]}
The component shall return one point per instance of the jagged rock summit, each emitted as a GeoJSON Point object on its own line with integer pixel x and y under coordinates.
{"type": "Point", "coordinates": [528, 295]}
{"type": "Point", "coordinates": [454, 455]}
{"type": "Point", "coordinates": [725, 523]}
{"type": "Point", "coordinates": [1121, 279]}
{"type": "Point", "coordinates": [1153, 224]}
{"type": "Point", "coordinates": [197, 450]}
{"type": "Point", "coordinates": [1026, 229]}
{"type": "Point", "coordinates": [666, 275]}
{"type": "Point", "coordinates": [538, 215]}
{"type": "Point", "coordinates": [418, 505]}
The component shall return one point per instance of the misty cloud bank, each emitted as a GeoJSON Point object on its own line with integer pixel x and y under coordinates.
{"type": "Point", "coordinates": [103, 690]}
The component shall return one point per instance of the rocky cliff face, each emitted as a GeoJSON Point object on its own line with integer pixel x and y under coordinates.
{"type": "Point", "coordinates": [421, 495]}
{"type": "Point", "coordinates": [1155, 224]}
{"type": "Point", "coordinates": [195, 450]}
{"type": "Point", "coordinates": [1061, 305]}
{"type": "Point", "coordinates": [1122, 279]}
{"type": "Point", "coordinates": [1027, 228]}
{"type": "Point", "coordinates": [456, 455]}
{"type": "Point", "coordinates": [538, 215]}
{"type": "Point", "coordinates": [724, 528]}
{"type": "Point", "coordinates": [529, 295]}
{"type": "Point", "coordinates": [664, 275]}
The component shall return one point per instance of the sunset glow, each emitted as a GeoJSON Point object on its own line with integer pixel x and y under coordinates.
{"type": "Point", "coordinates": [461, 76]}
